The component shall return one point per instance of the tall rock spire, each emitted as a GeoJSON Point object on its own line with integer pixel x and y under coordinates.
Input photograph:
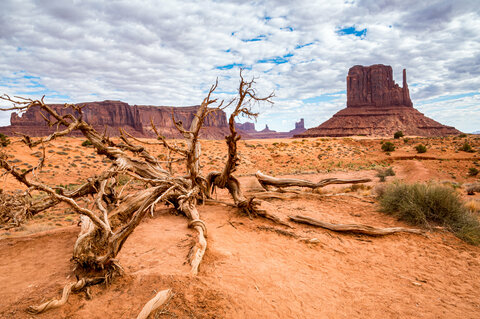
{"type": "Point", "coordinates": [406, 93]}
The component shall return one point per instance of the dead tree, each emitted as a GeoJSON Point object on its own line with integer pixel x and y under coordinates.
{"type": "Point", "coordinates": [225, 179]}
{"type": "Point", "coordinates": [106, 227]}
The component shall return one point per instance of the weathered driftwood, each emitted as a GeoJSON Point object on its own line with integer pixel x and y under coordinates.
{"type": "Point", "coordinates": [266, 181]}
{"type": "Point", "coordinates": [354, 228]}
{"type": "Point", "coordinates": [156, 302]}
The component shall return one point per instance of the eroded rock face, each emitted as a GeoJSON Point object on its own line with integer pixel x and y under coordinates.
{"type": "Point", "coordinates": [112, 115]}
{"type": "Point", "coordinates": [377, 106]}
{"type": "Point", "coordinates": [374, 86]}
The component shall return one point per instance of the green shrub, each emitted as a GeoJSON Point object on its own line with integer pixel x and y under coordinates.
{"type": "Point", "coordinates": [398, 134]}
{"type": "Point", "coordinates": [87, 143]}
{"type": "Point", "coordinates": [388, 147]}
{"type": "Point", "coordinates": [4, 141]}
{"type": "Point", "coordinates": [427, 204]}
{"type": "Point", "coordinates": [462, 135]}
{"type": "Point", "coordinates": [421, 148]}
{"type": "Point", "coordinates": [473, 171]}
{"type": "Point", "coordinates": [382, 174]}
{"type": "Point", "coordinates": [466, 147]}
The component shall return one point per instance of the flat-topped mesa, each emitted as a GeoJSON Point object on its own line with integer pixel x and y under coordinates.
{"type": "Point", "coordinates": [112, 115]}
{"type": "Point", "coordinates": [374, 86]}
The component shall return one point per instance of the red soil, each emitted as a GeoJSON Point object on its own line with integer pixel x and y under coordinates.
{"type": "Point", "coordinates": [251, 270]}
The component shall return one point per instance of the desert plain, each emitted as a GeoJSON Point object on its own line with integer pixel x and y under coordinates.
{"type": "Point", "coordinates": [254, 268]}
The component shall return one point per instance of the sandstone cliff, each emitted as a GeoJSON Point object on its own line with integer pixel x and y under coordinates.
{"type": "Point", "coordinates": [112, 115]}
{"type": "Point", "coordinates": [377, 106]}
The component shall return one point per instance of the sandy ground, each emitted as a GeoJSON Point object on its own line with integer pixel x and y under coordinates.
{"type": "Point", "coordinates": [252, 267]}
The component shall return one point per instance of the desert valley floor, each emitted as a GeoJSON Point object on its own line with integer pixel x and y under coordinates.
{"type": "Point", "coordinates": [254, 268]}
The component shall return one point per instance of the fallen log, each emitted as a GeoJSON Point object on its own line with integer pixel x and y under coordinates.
{"type": "Point", "coordinates": [266, 180]}
{"type": "Point", "coordinates": [354, 228]}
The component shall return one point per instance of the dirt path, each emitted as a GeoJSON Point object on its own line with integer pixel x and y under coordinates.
{"type": "Point", "coordinates": [414, 170]}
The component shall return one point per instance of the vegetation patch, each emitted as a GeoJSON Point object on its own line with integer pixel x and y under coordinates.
{"type": "Point", "coordinates": [421, 148]}
{"type": "Point", "coordinates": [4, 140]}
{"type": "Point", "coordinates": [398, 134]}
{"type": "Point", "coordinates": [431, 204]}
{"type": "Point", "coordinates": [383, 173]}
{"type": "Point", "coordinates": [388, 147]}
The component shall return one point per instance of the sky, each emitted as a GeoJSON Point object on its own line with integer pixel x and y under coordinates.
{"type": "Point", "coordinates": [171, 52]}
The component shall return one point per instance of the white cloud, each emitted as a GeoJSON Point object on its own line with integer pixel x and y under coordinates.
{"type": "Point", "coordinates": [167, 53]}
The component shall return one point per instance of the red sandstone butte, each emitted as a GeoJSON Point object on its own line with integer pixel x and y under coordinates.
{"type": "Point", "coordinates": [112, 115]}
{"type": "Point", "coordinates": [377, 106]}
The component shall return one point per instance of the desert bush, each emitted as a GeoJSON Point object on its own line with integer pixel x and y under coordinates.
{"type": "Point", "coordinates": [383, 173]}
{"type": "Point", "coordinates": [421, 148]}
{"type": "Point", "coordinates": [466, 147]}
{"type": "Point", "coordinates": [427, 204]}
{"type": "Point", "coordinates": [472, 188]}
{"type": "Point", "coordinates": [473, 171]}
{"type": "Point", "coordinates": [388, 147]}
{"type": "Point", "coordinates": [4, 140]}
{"type": "Point", "coordinates": [87, 143]}
{"type": "Point", "coordinates": [398, 134]}
{"type": "Point", "coordinates": [462, 135]}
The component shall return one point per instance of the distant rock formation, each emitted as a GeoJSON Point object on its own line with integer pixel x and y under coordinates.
{"type": "Point", "coordinates": [112, 115]}
{"type": "Point", "coordinates": [267, 130]}
{"type": "Point", "coordinates": [377, 106]}
{"type": "Point", "coordinates": [246, 127]}
{"type": "Point", "coordinates": [247, 131]}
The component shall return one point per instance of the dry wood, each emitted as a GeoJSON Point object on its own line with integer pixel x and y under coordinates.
{"type": "Point", "coordinates": [155, 303]}
{"type": "Point", "coordinates": [113, 217]}
{"type": "Point", "coordinates": [354, 228]}
{"type": "Point", "coordinates": [69, 288]}
{"type": "Point", "coordinates": [266, 181]}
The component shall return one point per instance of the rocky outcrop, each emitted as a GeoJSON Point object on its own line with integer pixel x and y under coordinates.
{"type": "Point", "coordinates": [377, 106]}
{"type": "Point", "coordinates": [112, 115]}
{"type": "Point", "coordinates": [267, 130]}
{"type": "Point", "coordinates": [245, 127]}
{"type": "Point", "coordinates": [251, 133]}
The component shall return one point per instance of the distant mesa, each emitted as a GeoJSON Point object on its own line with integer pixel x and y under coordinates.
{"type": "Point", "coordinates": [135, 119]}
{"type": "Point", "coordinates": [112, 115]}
{"type": "Point", "coordinates": [246, 127]}
{"type": "Point", "coordinates": [247, 131]}
{"type": "Point", "coordinates": [377, 106]}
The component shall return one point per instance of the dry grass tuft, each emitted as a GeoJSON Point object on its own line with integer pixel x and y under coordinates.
{"type": "Point", "coordinates": [427, 204]}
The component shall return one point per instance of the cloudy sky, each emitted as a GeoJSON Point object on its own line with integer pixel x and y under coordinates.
{"type": "Point", "coordinates": [170, 52]}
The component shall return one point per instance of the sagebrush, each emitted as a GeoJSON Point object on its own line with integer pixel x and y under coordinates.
{"type": "Point", "coordinates": [428, 205]}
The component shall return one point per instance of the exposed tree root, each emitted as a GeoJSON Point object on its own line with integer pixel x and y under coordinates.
{"type": "Point", "coordinates": [197, 224]}
{"type": "Point", "coordinates": [294, 194]}
{"type": "Point", "coordinates": [69, 288]}
{"type": "Point", "coordinates": [155, 303]}
{"type": "Point", "coordinates": [266, 181]}
{"type": "Point", "coordinates": [354, 228]}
